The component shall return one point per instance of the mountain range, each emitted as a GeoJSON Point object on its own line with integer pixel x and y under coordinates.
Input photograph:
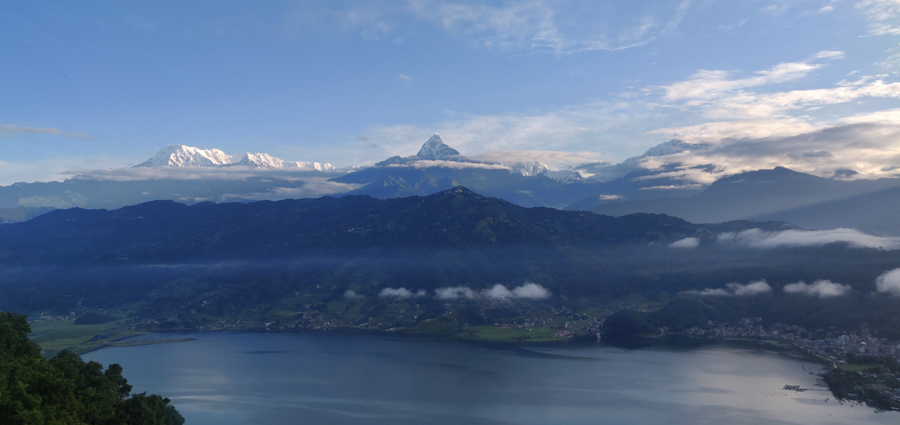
{"type": "Point", "coordinates": [188, 156]}
{"type": "Point", "coordinates": [811, 202]}
{"type": "Point", "coordinates": [197, 264]}
{"type": "Point", "coordinates": [190, 175]}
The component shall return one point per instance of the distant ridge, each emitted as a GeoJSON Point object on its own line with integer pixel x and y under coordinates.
{"type": "Point", "coordinates": [189, 156]}
{"type": "Point", "coordinates": [454, 218]}
{"type": "Point", "coordinates": [781, 194]}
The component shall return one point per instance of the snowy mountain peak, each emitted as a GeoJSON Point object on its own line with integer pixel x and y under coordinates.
{"type": "Point", "coordinates": [436, 149]}
{"type": "Point", "coordinates": [261, 160]}
{"type": "Point", "coordinates": [312, 165]}
{"type": "Point", "coordinates": [527, 169]}
{"type": "Point", "coordinates": [667, 148]}
{"type": "Point", "coordinates": [187, 156]}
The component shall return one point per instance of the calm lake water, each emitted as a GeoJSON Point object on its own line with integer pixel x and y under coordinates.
{"type": "Point", "coordinates": [268, 379]}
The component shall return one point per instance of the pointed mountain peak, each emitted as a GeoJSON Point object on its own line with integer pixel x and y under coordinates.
{"type": "Point", "coordinates": [435, 149]}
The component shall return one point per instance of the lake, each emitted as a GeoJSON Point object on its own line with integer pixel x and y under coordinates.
{"type": "Point", "coordinates": [246, 378]}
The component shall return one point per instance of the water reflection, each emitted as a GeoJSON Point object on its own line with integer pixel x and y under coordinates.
{"type": "Point", "coordinates": [334, 379]}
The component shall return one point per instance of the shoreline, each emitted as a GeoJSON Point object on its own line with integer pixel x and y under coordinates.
{"type": "Point", "coordinates": [117, 338]}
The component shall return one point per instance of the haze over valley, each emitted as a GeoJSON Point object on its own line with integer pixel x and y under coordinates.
{"type": "Point", "coordinates": [444, 211]}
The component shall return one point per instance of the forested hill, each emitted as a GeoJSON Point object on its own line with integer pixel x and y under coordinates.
{"type": "Point", "coordinates": [458, 219]}
{"type": "Point", "coordinates": [66, 390]}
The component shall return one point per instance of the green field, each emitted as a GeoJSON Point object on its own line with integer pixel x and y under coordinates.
{"type": "Point", "coordinates": [496, 334]}
{"type": "Point", "coordinates": [55, 336]}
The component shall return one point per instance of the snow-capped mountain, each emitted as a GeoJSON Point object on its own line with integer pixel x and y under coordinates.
{"type": "Point", "coordinates": [189, 156]}
{"type": "Point", "coordinates": [667, 148]}
{"type": "Point", "coordinates": [433, 150]}
{"type": "Point", "coordinates": [436, 150]}
{"type": "Point", "coordinates": [565, 176]}
{"type": "Point", "coordinates": [261, 160]}
{"type": "Point", "coordinates": [527, 169]}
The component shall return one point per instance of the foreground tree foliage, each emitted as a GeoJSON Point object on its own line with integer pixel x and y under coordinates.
{"type": "Point", "coordinates": [65, 389]}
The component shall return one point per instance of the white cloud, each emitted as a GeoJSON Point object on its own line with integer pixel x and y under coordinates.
{"type": "Point", "coordinates": [552, 158]}
{"type": "Point", "coordinates": [454, 293]}
{"type": "Point", "coordinates": [775, 10]}
{"type": "Point", "coordinates": [868, 147]}
{"type": "Point", "coordinates": [405, 77]}
{"type": "Point", "coordinates": [712, 132]}
{"type": "Point", "coordinates": [352, 295]}
{"type": "Point", "coordinates": [752, 128]}
{"type": "Point", "coordinates": [531, 26]}
{"type": "Point", "coordinates": [756, 238]}
{"type": "Point", "coordinates": [819, 288]}
{"type": "Point", "coordinates": [717, 94]}
{"type": "Point", "coordinates": [826, 9]}
{"type": "Point", "coordinates": [752, 105]}
{"type": "Point", "coordinates": [753, 288]}
{"type": "Point", "coordinates": [559, 138]}
{"type": "Point", "coordinates": [7, 130]}
{"type": "Point", "coordinates": [401, 293]}
{"type": "Point", "coordinates": [454, 165]}
{"type": "Point", "coordinates": [498, 291]}
{"type": "Point", "coordinates": [689, 243]}
{"type": "Point", "coordinates": [735, 289]}
{"type": "Point", "coordinates": [887, 117]}
{"type": "Point", "coordinates": [680, 13]}
{"type": "Point", "coordinates": [889, 282]}
{"type": "Point", "coordinates": [883, 15]}
{"type": "Point", "coordinates": [529, 290]}
{"type": "Point", "coordinates": [234, 172]}
{"type": "Point", "coordinates": [53, 169]}
{"type": "Point", "coordinates": [705, 85]}
{"type": "Point", "coordinates": [673, 187]}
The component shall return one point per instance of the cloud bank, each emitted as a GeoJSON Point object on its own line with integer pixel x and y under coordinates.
{"type": "Point", "coordinates": [401, 293]}
{"type": "Point", "coordinates": [756, 238]}
{"type": "Point", "coordinates": [529, 290]}
{"type": "Point", "coordinates": [734, 289]}
{"type": "Point", "coordinates": [352, 295]}
{"type": "Point", "coordinates": [689, 243]}
{"type": "Point", "coordinates": [7, 130]}
{"type": "Point", "coordinates": [819, 288]}
{"type": "Point", "coordinates": [889, 282]}
{"type": "Point", "coordinates": [455, 292]}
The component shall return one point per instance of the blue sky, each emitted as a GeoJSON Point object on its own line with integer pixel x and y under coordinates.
{"type": "Point", "coordinates": [87, 85]}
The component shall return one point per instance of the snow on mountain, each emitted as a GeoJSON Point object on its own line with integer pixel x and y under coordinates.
{"type": "Point", "coordinates": [188, 156]}
{"type": "Point", "coordinates": [527, 169]}
{"type": "Point", "coordinates": [313, 165]}
{"type": "Point", "coordinates": [668, 148]}
{"type": "Point", "coordinates": [435, 149]}
{"type": "Point", "coordinates": [260, 160]}
{"type": "Point", "coordinates": [565, 176]}
{"type": "Point", "coordinates": [608, 172]}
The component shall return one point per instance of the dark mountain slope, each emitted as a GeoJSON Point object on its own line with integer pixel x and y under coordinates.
{"type": "Point", "coordinates": [528, 191]}
{"type": "Point", "coordinates": [455, 219]}
{"type": "Point", "coordinates": [765, 194]}
{"type": "Point", "coordinates": [875, 212]}
{"type": "Point", "coordinates": [231, 259]}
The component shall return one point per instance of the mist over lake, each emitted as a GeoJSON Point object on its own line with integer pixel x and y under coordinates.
{"type": "Point", "coordinates": [247, 378]}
